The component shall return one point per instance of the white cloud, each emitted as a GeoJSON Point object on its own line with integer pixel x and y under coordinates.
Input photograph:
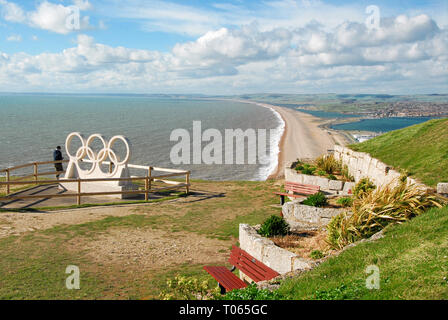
{"type": "Point", "coordinates": [405, 53]}
{"type": "Point", "coordinates": [14, 38]}
{"type": "Point", "coordinates": [49, 16]}
{"type": "Point", "coordinates": [58, 18]}
{"type": "Point", "coordinates": [11, 11]}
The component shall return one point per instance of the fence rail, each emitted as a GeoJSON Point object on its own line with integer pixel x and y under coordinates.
{"type": "Point", "coordinates": [148, 179]}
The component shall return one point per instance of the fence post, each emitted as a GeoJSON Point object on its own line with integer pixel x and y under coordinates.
{"type": "Point", "coordinates": [7, 182]}
{"type": "Point", "coordinates": [187, 180]}
{"type": "Point", "coordinates": [146, 188]}
{"type": "Point", "coordinates": [35, 172]}
{"type": "Point", "coordinates": [79, 192]}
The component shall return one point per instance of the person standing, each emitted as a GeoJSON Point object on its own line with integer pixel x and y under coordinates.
{"type": "Point", "coordinates": [57, 156]}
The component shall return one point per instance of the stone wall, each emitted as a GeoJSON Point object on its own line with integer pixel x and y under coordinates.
{"type": "Point", "coordinates": [362, 165]}
{"type": "Point", "coordinates": [300, 217]}
{"type": "Point", "coordinates": [266, 251]}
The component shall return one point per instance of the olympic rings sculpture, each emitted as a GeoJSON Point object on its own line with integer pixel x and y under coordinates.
{"type": "Point", "coordinates": [107, 152]}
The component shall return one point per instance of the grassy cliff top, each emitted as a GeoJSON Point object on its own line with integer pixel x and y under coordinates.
{"type": "Point", "coordinates": [421, 150]}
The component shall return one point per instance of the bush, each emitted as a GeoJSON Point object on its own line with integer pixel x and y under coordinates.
{"type": "Point", "coordinates": [187, 288]}
{"type": "Point", "coordinates": [377, 209]}
{"type": "Point", "coordinates": [250, 293]}
{"type": "Point", "coordinates": [329, 164]}
{"type": "Point", "coordinates": [332, 177]}
{"type": "Point", "coordinates": [316, 200]}
{"type": "Point", "coordinates": [346, 175]}
{"type": "Point", "coordinates": [363, 187]}
{"type": "Point", "coordinates": [321, 173]}
{"type": "Point", "coordinates": [316, 254]}
{"type": "Point", "coordinates": [345, 201]}
{"type": "Point", "coordinates": [274, 226]}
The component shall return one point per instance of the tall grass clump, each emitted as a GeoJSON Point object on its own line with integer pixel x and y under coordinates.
{"type": "Point", "coordinates": [375, 210]}
{"type": "Point", "coordinates": [329, 164]}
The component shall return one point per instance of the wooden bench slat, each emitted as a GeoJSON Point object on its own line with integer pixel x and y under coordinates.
{"type": "Point", "coordinates": [226, 278]}
{"type": "Point", "coordinates": [297, 188]}
{"type": "Point", "coordinates": [250, 266]}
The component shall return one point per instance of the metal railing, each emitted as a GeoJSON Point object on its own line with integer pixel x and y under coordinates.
{"type": "Point", "coordinates": [148, 179]}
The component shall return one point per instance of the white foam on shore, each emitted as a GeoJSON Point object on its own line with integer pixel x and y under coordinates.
{"type": "Point", "coordinates": [274, 146]}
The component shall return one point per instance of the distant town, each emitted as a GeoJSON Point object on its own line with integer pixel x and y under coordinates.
{"type": "Point", "coordinates": [412, 109]}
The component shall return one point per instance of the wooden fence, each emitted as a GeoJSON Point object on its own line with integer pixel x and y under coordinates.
{"type": "Point", "coordinates": [148, 180]}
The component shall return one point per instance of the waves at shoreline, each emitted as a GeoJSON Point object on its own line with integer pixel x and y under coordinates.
{"type": "Point", "coordinates": [265, 172]}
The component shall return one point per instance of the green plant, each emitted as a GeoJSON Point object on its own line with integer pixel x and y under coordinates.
{"type": "Point", "coordinates": [377, 209]}
{"type": "Point", "coordinates": [316, 200]}
{"type": "Point", "coordinates": [346, 174]}
{"type": "Point", "coordinates": [186, 288]}
{"type": "Point", "coordinates": [363, 187]}
{"type": "Point", "coordinates": [274, 226]}
{"type": "Point", "coordinates": [251, 292]}
{"type": "Point", "coordinates": [321, 173]}
{"type": "Point", "coordinates": [332, 177]}
{"type": "Point", "coordinates": [345, 201]}
{"type": "Point", "coordinates": [329, 164]}
{"type": "Point", "coordinates": [342, 292]}
{"type": "Point", "coordinates": [316, 254]}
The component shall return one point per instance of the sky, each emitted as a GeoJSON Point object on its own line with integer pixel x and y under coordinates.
{"type": "Point", "coordinates": [224, 47]}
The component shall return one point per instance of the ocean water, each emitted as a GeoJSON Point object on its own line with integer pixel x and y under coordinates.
{"type": "Point", "coordinates": [33, 125]}
{"type": "Point", "coordinates": [381, 125]}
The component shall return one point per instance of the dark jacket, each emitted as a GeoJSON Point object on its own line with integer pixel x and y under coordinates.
{"type": "Point", "coordinates": [57, 155]}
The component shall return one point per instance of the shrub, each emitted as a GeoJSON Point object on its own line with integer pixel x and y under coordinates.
{"type": "Point", "coordinates": [363, 187]}
{"type": "Point", "coordinates": [251, 292]}
{"type": "Point", "coordinates": [329, 164]}
{"type": "Point", "coordinates": [332, 177]}
{"type": "Point", "coordinates": [346, 175]}
{"type": "Point", "coordinates": [307, 169]}
{"type": "Point", "coordinates": [316, 200]}
{"type": "Point", "coordinates": [187, 288]}
{"type": "Point", "coordinates": [274, 226]}
{"type": "Point", "coordinates": [321, 173]}
{"type": "Point", "coordinates": [345, 201]}
{"type": "Point", "coordinates": [316, 254]}
{"type": "Point", "coordinates": [377, 209]}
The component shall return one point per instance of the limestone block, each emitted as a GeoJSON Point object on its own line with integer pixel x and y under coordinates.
{"type": "Point", "coordinates": [349, 186]}
{"type": "Point", "coordinates": [309, 180]}
{"type": "Point", "coordinates": [442, 188]}
{"type": "Point", "coordinates": [322, 182]}
{"type": "Point", "coordinates": [335, 185]}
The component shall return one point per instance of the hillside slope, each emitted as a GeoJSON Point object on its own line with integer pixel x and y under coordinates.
{"type": "Point", "coordinates": [421, 150]}
{"type": "Point", "coordinates": [412, 259]}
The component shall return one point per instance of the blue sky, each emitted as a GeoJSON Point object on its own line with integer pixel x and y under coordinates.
{"type": "Point", "coordinates": [223, 47]}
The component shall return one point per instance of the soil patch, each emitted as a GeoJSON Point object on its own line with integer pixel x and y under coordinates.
{"type": "Point", "coordinates": [303, 243]}
{"type": "Point", "coordinates": [148, 248]}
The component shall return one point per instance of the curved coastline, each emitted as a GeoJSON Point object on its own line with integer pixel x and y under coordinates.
{"type": "Point", "coordinates": [303, 137]}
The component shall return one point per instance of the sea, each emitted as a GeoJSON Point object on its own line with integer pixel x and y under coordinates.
{"type": "Point", "coordinates": [381, 125]}
{"type": "Point", "coordinates": [32, 125]}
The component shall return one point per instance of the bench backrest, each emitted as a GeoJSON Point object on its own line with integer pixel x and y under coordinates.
{"type": "Point", "coordinates": [250, 266]}
{"type": "Point", "coordinates": [301, 188]}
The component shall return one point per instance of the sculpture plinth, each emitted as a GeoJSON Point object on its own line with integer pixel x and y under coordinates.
{"type": "Point", "coordinates": [85, 154]}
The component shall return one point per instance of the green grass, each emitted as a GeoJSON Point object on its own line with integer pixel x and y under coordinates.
{"type": "Point", "coordinates": [420, 150]}
{"type": "Point", "coordinates": [32, 265]}
{"type": "Point", "coordinates": [412, 259]}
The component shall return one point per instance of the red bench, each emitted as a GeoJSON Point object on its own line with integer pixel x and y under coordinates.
{"type": "Point", "coordinates": [250, 266]}
{"type": "Point", "coordinates": [297, 190]}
